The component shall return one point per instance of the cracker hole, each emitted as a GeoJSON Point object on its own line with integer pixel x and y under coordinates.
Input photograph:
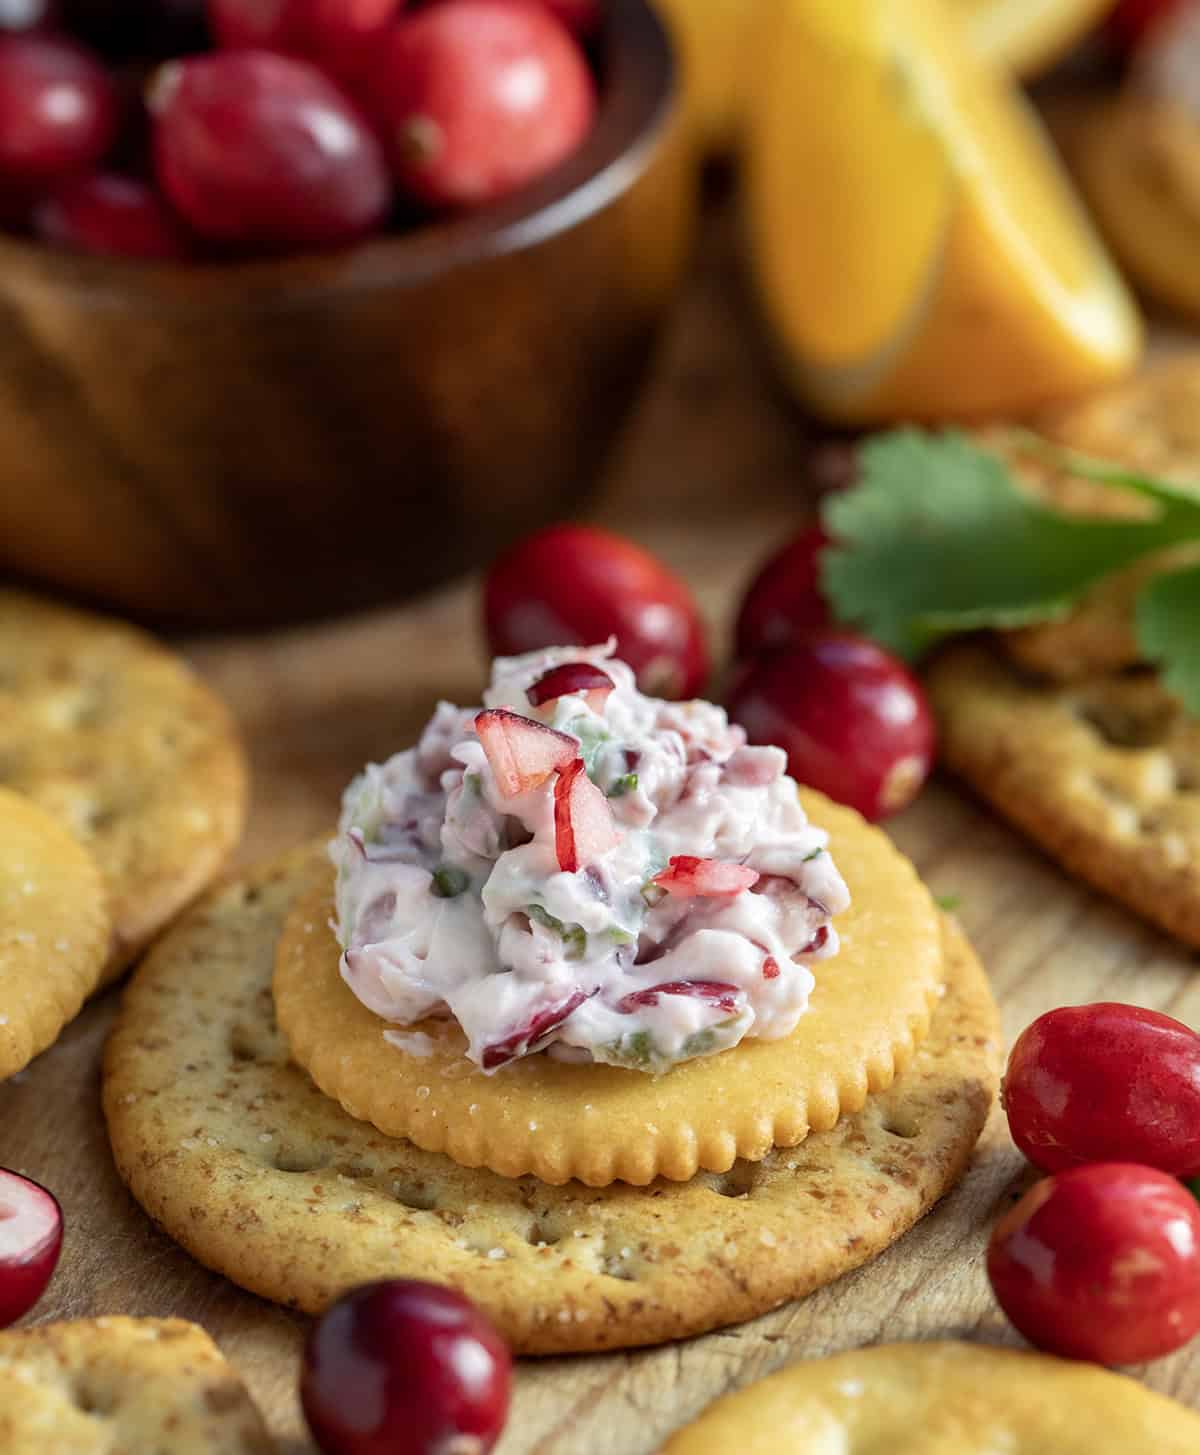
{"type": "Point", "coordinates": [740, 1181]}
{"type": "Point", "coordinates": [1124, 727]}
{"type": "Point", "coordinates": [617, 1259]}
{"type": "Point", "coordinates": [417, 1196]}
{"type": "Point", "coordinates": [285, 1161]}
{"type": "Point", "coordinates": [898, 1124]}
{"type": "Point", "coordinates": [544, 1233]}
{"type": "Point", "coordinates": [246, 1045]}
{"type": "Point", "coordinates": [93, 1401]}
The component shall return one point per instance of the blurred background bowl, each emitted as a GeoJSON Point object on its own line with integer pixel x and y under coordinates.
{"type": "Point", "coordinates": [266, 441]}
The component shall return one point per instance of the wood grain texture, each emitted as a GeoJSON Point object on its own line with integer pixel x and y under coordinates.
{"type": "Point", "coordinates": [710, 479]}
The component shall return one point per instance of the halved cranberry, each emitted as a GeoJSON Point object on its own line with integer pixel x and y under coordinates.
{"type": "Point", "coordinates": [852, 719]}
{"type": "Point", "coordinates": [784, 600]}
{"type": "Point", "coordinates": [688, 877]}
{"type": "Point", "coordinates": [477, 98]}
{"type": "Point", "coordinates": [109, 214]}
{"type": "Point", "coordinates": [31, 1232]}
{"type": "Point", "coordinates": [405, 1366]}
{"type": "Point", "coordinates": [534, 1033]}
{"type": "Point", "coordinates": [261, 150]}
{"type": "Point", "coordinates": [337, 35]}
{"type": "Point", "coordinates": [584, 828]}
{"type": "Point", "coordinates": [569, 678]}
{"type": "Point", "coordinates": [716, 993]}
{"type": "Point", "coordinates": [574, 583]}
{"type": "Point", "coordinates": [522, 753]}
{"type": "Point", "coordinates": [58, 110]}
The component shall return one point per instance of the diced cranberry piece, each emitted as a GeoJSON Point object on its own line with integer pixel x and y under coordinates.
{"type": "Point", "coordinates": [584, 828]}
{"type": "Point", "coordinates": [477, 98]}
{"type": "Point", "coordinates": [534, 1033]}
{"type": "Point", "coordinates": [770, 968]}
{"type": "Point", "coordinates": [109, 214]}
{"type": "Point", "coordinates": [713, 992]}
{"type": "Point", "coordinates": [405, 1368]}
{"type": "Point", "coordinates": [522, 753]}
{"type": "Point", "coordinates": [688, 877]}
{"type": "Point", "coordinates": [58, 110]}
{"type": "Point", "coordinates": [753, 768]}
{"type": "Point", "coordinates": [261, 150]}
{"type": "Point", "coordinates": [574, 583]}
{"type": "Point", "coordinates": [784, 600]}
{"type": "Point", "coordinates": [818, 942]}
{"type": "Point", "coordinates": [852, 718]}
{"type": "Point", "coordinates": [570, 678]}
{"type": "Point", "coordinates": [31, 1232]}
{"type": "Point", "coordinates": [337, 35]}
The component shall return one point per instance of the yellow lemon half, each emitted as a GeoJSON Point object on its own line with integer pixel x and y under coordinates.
{"type": "Point", "coordinates": [916, 247]}
{"type": "Point", "coordinates": [1028, 35]}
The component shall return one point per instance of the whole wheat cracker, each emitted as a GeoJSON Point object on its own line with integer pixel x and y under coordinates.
{"type": "Point", "coordinates": [599, 1123]}
{"type": "Point", "coordinates": [121, 1386]}
{"type": "Point", "coordinates": [54, 930]}
{"type": "Point", "coordinates": [1104, 774]}
{"type": "Point", "coordinates": [942, 1398]}
{"type": "Point", "coordinates": [119, 740]}
{"type": "Point", "coordinates": [244, 1162]}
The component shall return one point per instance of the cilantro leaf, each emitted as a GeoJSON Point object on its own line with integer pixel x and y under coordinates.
{"type": "Point", "coordinates": [1168, 630]}
{"type": "Point", "coordinates": [938, 539]}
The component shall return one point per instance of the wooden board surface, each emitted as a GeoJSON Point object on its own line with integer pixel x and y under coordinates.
{"type": "Point", "coordinates": [710, 478]}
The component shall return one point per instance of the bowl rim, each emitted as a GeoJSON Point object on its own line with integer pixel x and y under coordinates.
{"type": "Point", "coordinates": [640, 98]}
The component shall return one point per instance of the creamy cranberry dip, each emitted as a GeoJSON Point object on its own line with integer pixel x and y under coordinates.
{"type": "Point", "coordinates": [578, 868]}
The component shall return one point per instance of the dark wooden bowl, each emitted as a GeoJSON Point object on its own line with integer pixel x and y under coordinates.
{"type": "Point", "coordinates": [271, 440]}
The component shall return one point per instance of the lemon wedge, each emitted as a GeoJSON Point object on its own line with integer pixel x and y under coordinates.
{"type": "Point", "coordinates": [916, 247]}
{"type": "Point", "coordinates": [1028, 35]}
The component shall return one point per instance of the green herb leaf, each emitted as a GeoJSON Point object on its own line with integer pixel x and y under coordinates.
{"type": "Point", "coordinates": [1168, 630]}
{"type": "Point", "coordinates": [948, 902]}
{"type": "Point", "coordinates": [449, 881]}
{"type": "Point", "coordinates": [574, 937]}
{"type": "Point", "coordinates": [937, 539]}
{"type": "Point", "coordinates": [808, 858]}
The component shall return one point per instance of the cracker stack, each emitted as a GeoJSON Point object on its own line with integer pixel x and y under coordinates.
{"type": "Point", "coordinates": [228, 1143]}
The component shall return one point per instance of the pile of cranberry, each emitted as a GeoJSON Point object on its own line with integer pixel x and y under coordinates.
{"type": "Point", "coordinates": [233, 128]}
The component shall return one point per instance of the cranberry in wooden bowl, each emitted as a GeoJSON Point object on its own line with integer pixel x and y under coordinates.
{"type": "Point", "coordinates": [253, 441]}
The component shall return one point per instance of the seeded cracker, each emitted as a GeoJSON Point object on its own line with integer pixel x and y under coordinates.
{"type": "Point", "coordinates": [54, 930]}
{"type": "Point", "coordinates": [1103, 774]}
{"type": "Point", "coordinates": [603, 1123]}
{"type": "Point", "coordinates": [942, 1399]}
{"type": "Point", "coordinates": [114, 1385]}
{"type": "Point", "coordinates": [117, 739]}
{"type": "Point", "coordinates": [258, 1175]}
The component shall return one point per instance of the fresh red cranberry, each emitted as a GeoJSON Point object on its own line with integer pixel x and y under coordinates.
{"type": "Point", "coordinates": [572, 584]}
{"type": "Point", "coordinates": [109, 214]}
{"type": "Point", "coordinates": [337, 35]}
{"type": "Point", "coordinates": [569, 678]}
{"type": "Point", "coordinates": [31, 1232]}
{"type": "Point", "coordinates": [27, 15]}
{"type": "Point", "coordinates": [784, 600]}
{"type": "Point", "coordinates": [1101, 1262]}
{"type": "Point", "coordinates": [477, 98]}
{"type": "Point", "coordinates": [531, 1036]}
{"type": "Point", "coordinates": [58, 111]}
{"type": "Point", "coordinates": [261, 150]}
{"type": "Point", "coordinates": [1106, 1083]}
{"type": "Point", "coordinates": [405, 1368]}
{"type": "Point", "coordinates": [852, 719]}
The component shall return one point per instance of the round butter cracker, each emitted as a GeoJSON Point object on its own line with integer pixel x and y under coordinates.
{"type": "Point", "coordinates": [54, 930]}
{"type": "Point", "coordinates": [120, 741]}
{"type": "Point", "coordinates": [942, 1399]}
{"type": "Point", "coordinates": [601, 1123]}
{"type": "Point", "coordinates": [110, 1385]}
{"type": "Point", "coordinates": [237, 1155]}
